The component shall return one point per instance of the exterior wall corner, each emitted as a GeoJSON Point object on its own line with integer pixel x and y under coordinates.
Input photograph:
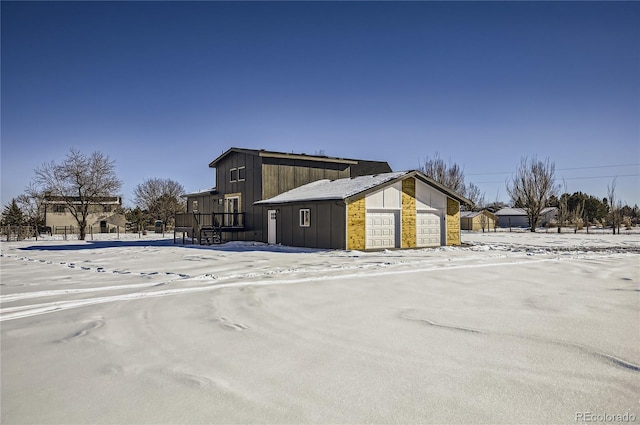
{"type": "Point", "coordinates": [453, 222]}
{"type": "Point", "coordinates": [356, 224]}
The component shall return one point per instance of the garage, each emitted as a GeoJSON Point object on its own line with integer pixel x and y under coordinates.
{"type": "Point", "coordinates": [381, 230]}
{"type": "Point", "coordinates": [428, 229]}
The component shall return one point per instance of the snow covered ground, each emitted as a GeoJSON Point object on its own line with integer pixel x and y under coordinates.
{"type": "Point", "coordinates": [516, 328]}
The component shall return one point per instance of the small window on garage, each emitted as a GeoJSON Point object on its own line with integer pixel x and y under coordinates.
{"type": "Point", "coordinates": [305, 217]}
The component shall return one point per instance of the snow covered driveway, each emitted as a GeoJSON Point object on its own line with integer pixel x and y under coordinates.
{"type": "Point", "coordinates": [517, 328]}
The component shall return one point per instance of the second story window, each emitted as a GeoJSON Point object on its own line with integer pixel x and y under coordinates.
{"type": "Point", "coordinates": [195, 206]}
{"type": "Point", "coordinates": [59, 209]}
{"type": "Point", "coordinates": [238, 174]}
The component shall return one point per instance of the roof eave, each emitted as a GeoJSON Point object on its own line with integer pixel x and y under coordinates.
{"type": "Point", "coordinates": [213, 163]}
{"type": "Point", "coordinates": [298, 201]}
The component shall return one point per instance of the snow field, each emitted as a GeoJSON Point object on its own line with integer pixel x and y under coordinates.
{"type": "Point", "coordinates": [516, 328]}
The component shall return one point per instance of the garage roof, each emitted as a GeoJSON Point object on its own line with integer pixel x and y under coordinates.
{"type": "Point", "coordinates": [342, 189]}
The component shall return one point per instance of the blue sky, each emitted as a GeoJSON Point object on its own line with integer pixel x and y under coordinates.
{"type": "Point", "coordinates": [165, 87]}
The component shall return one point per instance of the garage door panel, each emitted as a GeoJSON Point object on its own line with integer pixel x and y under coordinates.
{"type": "Point", "coordinates": [428, 229]}
{"type": "Point", "coordinates": [380, 231]}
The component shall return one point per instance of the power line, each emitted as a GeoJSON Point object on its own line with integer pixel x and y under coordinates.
{"type": "Point", "coordinates": [575, 178]}
{"type": "Point", "coordinates": [559, 169]}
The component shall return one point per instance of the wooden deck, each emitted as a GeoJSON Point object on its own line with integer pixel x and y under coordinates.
{"type": "Point", "coordinates": [207, 228]}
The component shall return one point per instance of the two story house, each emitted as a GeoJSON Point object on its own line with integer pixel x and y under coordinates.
{"type": "Point", "coordinates": [245, 176]}
{"type": "Point", "coordinates": [320, 202]}
{"type": "Point", "coordinates": [105, 214]}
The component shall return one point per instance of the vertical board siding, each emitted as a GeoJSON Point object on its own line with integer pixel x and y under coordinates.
{"type": "Point", "coordinates": [356, 217]}
{"type": "Point", "coordinates": [409, 232]}
{"type": "Point", "coordinates": [453, 222]}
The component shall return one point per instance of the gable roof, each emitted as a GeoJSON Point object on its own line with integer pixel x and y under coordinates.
{"type": "Point", "coordinates": [473, 214]}
{"type": "Point", "coordinates": [360, 167]}
{"type": "Point", "coordinates": [347, 188]}
{"type": "Point", "coordinates": [521, 211]}
{"type": "Point", "coordinates": [469, 214]}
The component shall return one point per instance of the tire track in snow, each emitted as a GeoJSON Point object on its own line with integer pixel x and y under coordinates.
{"type": "Point", "coordinates": [209, 276]}
{"type": "Point", "coordinates": [412, 315]}
{"type": "Point", "coordinates": [12, 313]}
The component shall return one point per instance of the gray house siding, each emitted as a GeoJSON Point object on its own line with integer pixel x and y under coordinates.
{"type": "Point", "coordinates": [282, 174]}
{"type": "Point", "coordinates": [268, 174]}
{"type": "Point", "coordinates": [327, 226]}
{"type": "Point", "coordinates": [249, 190]}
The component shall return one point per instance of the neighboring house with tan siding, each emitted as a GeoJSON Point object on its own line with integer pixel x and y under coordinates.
{"type": "Point", "coordinates": [477, 220]}
{"type": "Point", "coordinates": [105, 214]}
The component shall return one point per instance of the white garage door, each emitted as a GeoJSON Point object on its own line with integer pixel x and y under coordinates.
{"type": "Point", "coordinates": [428, 228]}
{"type": "Point", "coordinates": [381, 228]}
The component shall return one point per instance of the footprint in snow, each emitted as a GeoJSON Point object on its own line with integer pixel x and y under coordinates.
{"type": "Point", "coordinates": [229, 325]}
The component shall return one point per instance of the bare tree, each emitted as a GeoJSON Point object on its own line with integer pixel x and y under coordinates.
{"type": "Point", "coordinates": [80, 181]}
{"type": "Point", "coordinates": [563, 208]}
{"type": "Point", "coordinates": [613, 210]}
{"type": "Point", "coordinates": [577, 216]}
{"type": "Point", "coordinates": [32, 204]}
{"type": "Point", "coordinates": [472, 193]}
{"type": "Point", "coordinates": [451, 175]}
{"type": "Point", "coordinates": [532, 186]}
{"type": "Point", "coordinates": [161, 198]}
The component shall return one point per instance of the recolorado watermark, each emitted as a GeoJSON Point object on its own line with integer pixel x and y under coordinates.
{"type": "Point", "coordinates": [605, 417]}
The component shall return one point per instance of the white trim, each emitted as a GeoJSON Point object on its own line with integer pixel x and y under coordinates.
{"type": "Point", "coordinates": [305, 217]}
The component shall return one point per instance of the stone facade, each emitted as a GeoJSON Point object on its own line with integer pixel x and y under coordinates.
{"type": "Point", "coordinates": [356, 224]}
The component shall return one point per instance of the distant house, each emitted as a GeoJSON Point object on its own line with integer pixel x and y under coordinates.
{"type": "Point", "coordinates": [320, 202]}
{"type": "Point", "coordinates": [517, 217]}
{"type": "Point", "coordinates": [477, 220]}
{"type": "Point", "coordinates": [105, 215]}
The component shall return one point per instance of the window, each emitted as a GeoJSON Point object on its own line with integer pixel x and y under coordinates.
{"type": "Point", "coordinates": [238, 174]}
{"type": "Point", "coordinates": [195, 206]}
{"type": "Point", "coordinates": [305, 217]}
{"type": "Point", "coordinates": [59, 208]}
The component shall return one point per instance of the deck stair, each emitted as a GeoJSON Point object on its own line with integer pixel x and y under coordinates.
{"type": "Point", "coordinates": [210, 235]}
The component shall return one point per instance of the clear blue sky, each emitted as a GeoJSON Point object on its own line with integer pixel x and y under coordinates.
{"type": "Point", "coordinates": [165, 87]}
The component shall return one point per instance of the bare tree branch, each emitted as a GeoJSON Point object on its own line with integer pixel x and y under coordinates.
{"type": "Point", "coordinates": [532, 186]}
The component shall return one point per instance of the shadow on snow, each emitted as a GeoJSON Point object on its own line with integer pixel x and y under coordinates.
{"type": "Point", "coordinates": [233, 246]}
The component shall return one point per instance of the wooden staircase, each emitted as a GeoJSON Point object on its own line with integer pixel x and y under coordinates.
{"type": "Point", "coordinates": [210, 235]}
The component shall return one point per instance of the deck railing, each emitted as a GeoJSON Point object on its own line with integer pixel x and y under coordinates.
{"type": "Point", "coordinates": [222, 221]}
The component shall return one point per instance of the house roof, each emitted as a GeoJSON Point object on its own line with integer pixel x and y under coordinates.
{"type": "Point", "coordinates": [101, 200]}
{"type": "Point", "coordinates": [520, 211]}
{"type": "Point", "coordinates": [212, 191]}
{"type": "Point", "coordinates": [361, 167]}
{"type": "Point", "coordinates": [469, 214]}
{"type": "Point", "coordinates": [344, 189]}
{"type": "Point", "coordinates": [473, 214]}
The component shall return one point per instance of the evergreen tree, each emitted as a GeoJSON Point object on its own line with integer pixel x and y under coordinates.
{"type": "Point", "coordinates": [12, 214]}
